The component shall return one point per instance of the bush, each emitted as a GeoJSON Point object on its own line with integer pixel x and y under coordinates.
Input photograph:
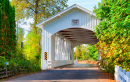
{"type": "Point", "coordinates": [113, 32]}
{"type": "Point", "coordinates": [3, 60]}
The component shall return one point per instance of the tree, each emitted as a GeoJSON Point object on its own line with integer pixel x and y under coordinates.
{"type": "Point", "coordinates": [31, 45]}
{"type": "Point", "coordinates": [20, 35]}
{"type": "Point", "coordinates": [19, 40]}
{"type": "Point", "coordinates": [84, 52]}
{"type": "Point", "coordinates": [77, 52]}
{"type": "Point", "coordinates": [8, 50]}
{"type": "Point", "coordinates": [92, 52]}
{"type": "Point", "coordinates": [7, 29]}
{"type": "Point", "coordinates": [38, 9]}
{"type": "Point", "coordinates": [114, 33]}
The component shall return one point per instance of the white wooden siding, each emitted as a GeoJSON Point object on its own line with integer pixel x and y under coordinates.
{"type": "Point", "coordinates": [65, 21]}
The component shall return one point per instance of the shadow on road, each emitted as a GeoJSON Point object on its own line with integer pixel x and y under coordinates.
{"type": "Point", "coordinates": [69, 72]}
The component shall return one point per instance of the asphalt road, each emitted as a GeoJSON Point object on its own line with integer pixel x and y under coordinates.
{"type": "Point", "coordinates": [70, 73]}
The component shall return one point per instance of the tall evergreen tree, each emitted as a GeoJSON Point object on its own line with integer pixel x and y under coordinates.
{"type": "Point", "coordinates": [7, 29]}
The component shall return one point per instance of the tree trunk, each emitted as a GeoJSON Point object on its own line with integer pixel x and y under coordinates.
{"type": "Point", "coordinates": [35, 16]}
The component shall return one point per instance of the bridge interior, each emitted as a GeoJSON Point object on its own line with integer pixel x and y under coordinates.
{"type": "Point", "coordinates": [79, 36]}
{"type": "Point", "coordinates": [65, 40]}
{"type": "Point", "coordinates": [64, 31]}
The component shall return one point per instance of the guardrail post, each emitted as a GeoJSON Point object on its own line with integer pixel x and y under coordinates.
{"type": "Point", "coordinates": [120, 77]}
{"type": "Point", "coordinates": [116, 72]}
{"type": "Point", "coordinates": [124, 71]}
{"type": "Point", "coordinates": [128, 76]}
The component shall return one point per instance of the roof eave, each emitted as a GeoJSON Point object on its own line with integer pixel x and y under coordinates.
{"type": "Point", "coordinates": [58, 14]}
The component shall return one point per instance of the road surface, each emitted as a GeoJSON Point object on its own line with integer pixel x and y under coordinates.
{"type": "Point", "coordinates": [69, 73]}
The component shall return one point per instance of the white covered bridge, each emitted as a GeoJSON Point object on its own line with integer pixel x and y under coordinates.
{"type": "Point", "coordinates": [64, 31]}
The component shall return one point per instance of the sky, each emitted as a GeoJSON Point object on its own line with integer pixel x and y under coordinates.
{"type": "Point", "coordinates": [88, 4]}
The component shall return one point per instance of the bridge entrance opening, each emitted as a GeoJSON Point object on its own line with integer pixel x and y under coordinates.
{"type": "Point", "coordinates": [64, 31]}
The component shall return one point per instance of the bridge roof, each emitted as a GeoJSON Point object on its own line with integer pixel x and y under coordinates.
{"type": "Point", "coordinates": [66, 10]}
{"type": "Point", "coordinates": [79, 36]}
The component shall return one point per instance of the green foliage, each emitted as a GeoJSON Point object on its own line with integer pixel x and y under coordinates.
{"type": "Point", "coordinates": [7, 29]}
{"type": "Point", "coordinates": [92, 52]}
{"type": "Point", "coordinates": [18, 61]}
{"type": "Point", "coordinates": [32, 48]}
{"type": "Point", "coordinates": [22, 62]}
{"type": "Point", "coordinates": [37, 9]}
{"type": "Point", "coordinates": [19, 40]}
{"type": "Point", "coordinates": [2, 61]}
{"type": "Point", "coordinates": [43, 8]}
{"type": "Point", "coordinates": [113, 32]}
{"type": "Point", "coordinates": [20, 35]}
{"type": "Point", "coordinates": [86, 52]}
{"type": "Point", "coordinates": [10, 50]}
{"type": "Point", "coordinates": [77, 53]}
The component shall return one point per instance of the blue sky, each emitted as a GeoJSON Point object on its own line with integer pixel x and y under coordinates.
{"type": "Point", "coordinates": [88, 4]}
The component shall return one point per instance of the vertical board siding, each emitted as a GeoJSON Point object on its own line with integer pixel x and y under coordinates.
{"type": "Point", "coordinates": [121, 75]}
{"type": "Point", "coordinates": [88, 20]}
{"type": "Point", "coordinates": [57, 24]}
{"type": "Point", "coordinates": [91, 22]}
{"type": "Point", "coordinates": [61, 46]}
{"type": "Point", "coordinates": [65, 21]}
